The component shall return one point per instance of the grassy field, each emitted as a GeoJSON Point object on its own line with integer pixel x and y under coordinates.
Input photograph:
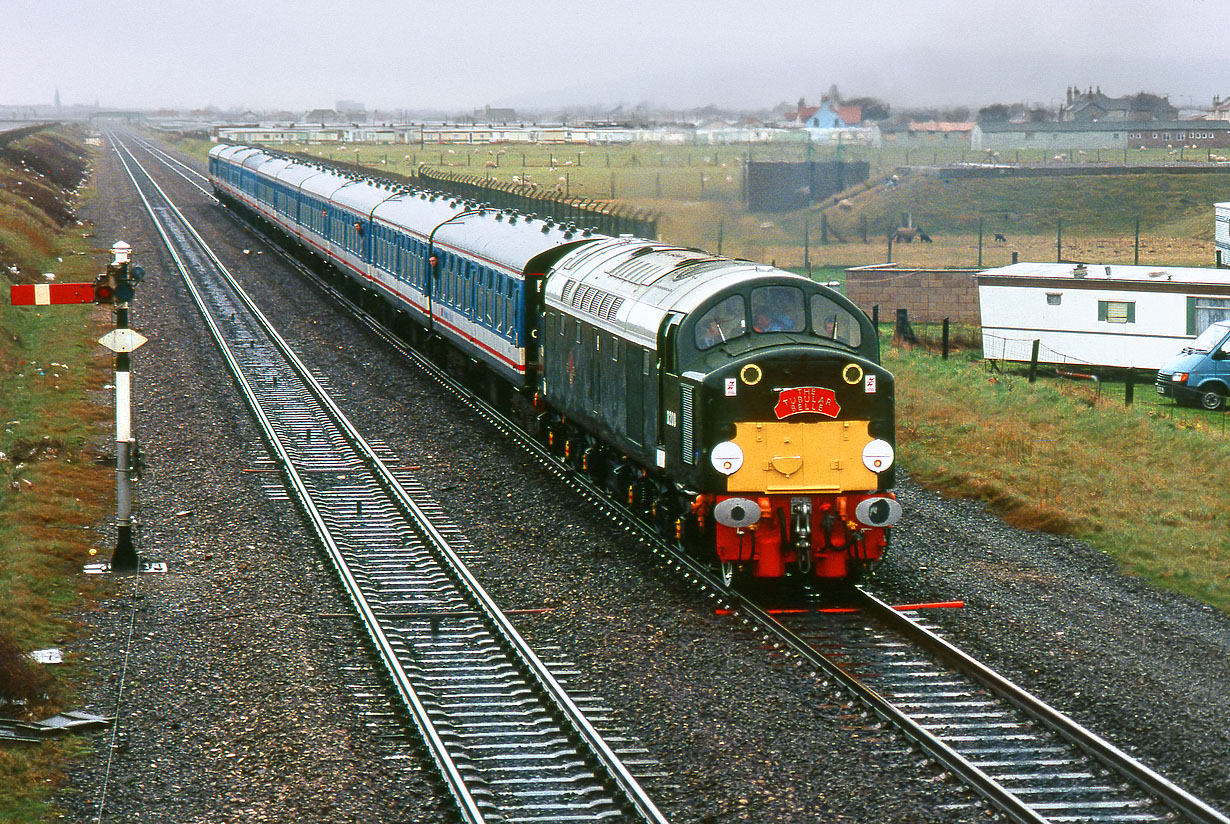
{"type": "Point", "coordinates": [698, 192]}
{"type": "Point", "coordinates": [53, 417]}
{"type": "Point", "coordinates": [1145, 484]}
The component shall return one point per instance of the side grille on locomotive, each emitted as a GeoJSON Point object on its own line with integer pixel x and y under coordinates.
{"type": "Point", "coordinates": [686, 414]}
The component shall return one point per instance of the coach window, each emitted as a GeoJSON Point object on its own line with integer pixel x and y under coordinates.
{"type": "Point", "coordinates": [1054, 298]}
{"type": "Point", "coordinates": [726, 321]}
{"type": "Point", "coordinates": [778, 309]}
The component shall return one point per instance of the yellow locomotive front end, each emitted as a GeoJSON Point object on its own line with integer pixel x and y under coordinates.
{"type": "Point", "coordinates": [790, 435]}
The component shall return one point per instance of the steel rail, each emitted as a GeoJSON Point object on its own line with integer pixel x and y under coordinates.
{"type": "Point", "coordinates": [448, 768]}
{"type": "Point", "coordinates": [992, 791]}
{"type": "Point", "coordinates": [623, 779]}
{"type": "Point", "coordinates": [1108, 754]}
{"type": "Point", "coordinates": [1012, 806]}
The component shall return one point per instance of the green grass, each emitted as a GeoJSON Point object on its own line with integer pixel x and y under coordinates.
{"type": "Point", "coordinates": [1145, 484]}
{"type": "Point", "coordinates": [52, 416]}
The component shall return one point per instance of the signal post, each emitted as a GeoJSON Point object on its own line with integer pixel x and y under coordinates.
{"type": "Point", "coordinates": [115, 286]}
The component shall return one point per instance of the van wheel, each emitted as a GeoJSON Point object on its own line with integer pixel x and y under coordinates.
{"type": "Point", "coordinates": [1212, 399]}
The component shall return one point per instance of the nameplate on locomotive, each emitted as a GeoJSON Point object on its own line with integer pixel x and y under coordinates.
{"type": "Point", "coordinates": [800, 399]}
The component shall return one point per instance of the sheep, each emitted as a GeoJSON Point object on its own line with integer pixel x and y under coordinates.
{"type": "Point", "coordinates": [845, 205]}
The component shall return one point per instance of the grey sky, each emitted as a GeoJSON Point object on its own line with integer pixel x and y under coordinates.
{"type": "Point", "coordinates": [463, 54]}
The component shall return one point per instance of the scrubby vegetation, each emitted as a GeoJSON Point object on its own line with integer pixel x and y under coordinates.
{"type": "Point", "coordinates": [51, 492]}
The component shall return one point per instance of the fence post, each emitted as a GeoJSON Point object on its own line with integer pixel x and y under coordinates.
{"type": "Point", "coordinates": [875, 317]}
{"type": "Point", "coordinates": [1033, 361]}
{"type": "Point", "coordinates": [1136, 260]}
{"type": "Point", "coordinates": [1129, 389]}
{"type": "Point", "coordinates": [1059, 240]}
{"type": "Point", "coordinates": [904, 333]}
{"type": "Point", "coordinates": [944, 334]}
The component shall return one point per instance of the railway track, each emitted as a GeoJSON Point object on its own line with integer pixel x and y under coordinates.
{"type": "Point", "coordinates": [510, 743]}
{"type": "Point", "coordinates": [1026, 760]}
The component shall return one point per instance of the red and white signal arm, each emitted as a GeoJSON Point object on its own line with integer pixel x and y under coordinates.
{"type": "Point", "coordinates": [50, 294]}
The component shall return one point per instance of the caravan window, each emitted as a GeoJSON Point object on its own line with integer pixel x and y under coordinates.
{"type": "Point", "coordinates": [1117, 311]}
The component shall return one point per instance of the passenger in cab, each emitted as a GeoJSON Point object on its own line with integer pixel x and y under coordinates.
{"type": "Point", "coordinates": [778, 309]}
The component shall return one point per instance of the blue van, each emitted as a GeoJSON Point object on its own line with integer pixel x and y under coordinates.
{"type": "Point", "coordinates": [1200, 373]}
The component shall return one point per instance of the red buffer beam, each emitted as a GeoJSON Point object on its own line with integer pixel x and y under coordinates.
{"type": "Point", "coordinates": [49, 294]}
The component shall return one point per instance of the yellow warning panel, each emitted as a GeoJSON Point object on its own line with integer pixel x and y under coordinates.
{"type": "Point", "coordinates": [823, 456]}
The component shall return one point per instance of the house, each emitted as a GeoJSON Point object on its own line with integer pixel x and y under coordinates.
{"type": "Point", "coordinates": [322, 116]}
{"type": "Point", "coordinates": [1060, 138]}
{"type": "Point", "coordinates": [1085, 315]}
{"type": "Point", "coordinates": [1220, 109]}
{"type": "Point", "coordinates": [831, 114]}
{"type": "Point", "coordinates": [935, 134]}
{"type": "Point", "coordinates": [1092, 105]}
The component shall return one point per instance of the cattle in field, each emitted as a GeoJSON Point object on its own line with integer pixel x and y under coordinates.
{"type": "Point", "coordinates": [999, 238]}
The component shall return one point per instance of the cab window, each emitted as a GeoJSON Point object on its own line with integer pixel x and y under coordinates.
{"type": "Point", "coordinates": [778, 309]}
{"type": "Point", "coordinates": [833, 322]}
{"type": "Point", "coordinates": [725, 321]}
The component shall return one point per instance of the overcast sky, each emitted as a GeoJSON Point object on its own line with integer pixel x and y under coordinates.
{"type": "Point", "coordinates": [462, 54]}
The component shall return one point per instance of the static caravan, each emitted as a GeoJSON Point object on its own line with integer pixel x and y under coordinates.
{"type": "Point", "coordinates": [1125, 316]}
{"type": "Point", "coordinates": [1221, 232]}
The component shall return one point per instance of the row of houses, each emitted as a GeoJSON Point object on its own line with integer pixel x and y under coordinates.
{"type": "Point", "coordinates": [1060, 137]}
{"type": "Point", "coordinates": [480, 133]}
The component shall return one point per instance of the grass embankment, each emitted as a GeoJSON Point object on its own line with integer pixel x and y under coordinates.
{"type": "Point", "coordinates": [1141, 483]}
{"type": "Point", "coordinates": [51, 492]}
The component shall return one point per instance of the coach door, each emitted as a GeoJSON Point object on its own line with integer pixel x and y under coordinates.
{"type": "Point", "coordinates": [668, 388]}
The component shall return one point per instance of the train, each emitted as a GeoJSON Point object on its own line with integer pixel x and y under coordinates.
{"type": "Point", "coordinates": [740, 409]}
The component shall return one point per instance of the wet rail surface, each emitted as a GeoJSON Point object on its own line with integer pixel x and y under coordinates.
{"type": "Point", "coordinates": [1029, 762]}
{"type": "Point", "coordinates": [510, 743]}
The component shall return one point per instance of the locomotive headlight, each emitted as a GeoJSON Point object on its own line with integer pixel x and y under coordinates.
{"type": "Point", "coordinates": [726, 457]}
{"type": "Point", "coordinates": [879, 512]}
{"type": "Point", "coordinates": [878, 455]}
{"type": "Point", "coordinates": [737, 512]}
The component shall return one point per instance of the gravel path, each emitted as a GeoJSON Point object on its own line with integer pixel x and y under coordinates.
{"type": "Point", "coordinates": [235, 704]}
